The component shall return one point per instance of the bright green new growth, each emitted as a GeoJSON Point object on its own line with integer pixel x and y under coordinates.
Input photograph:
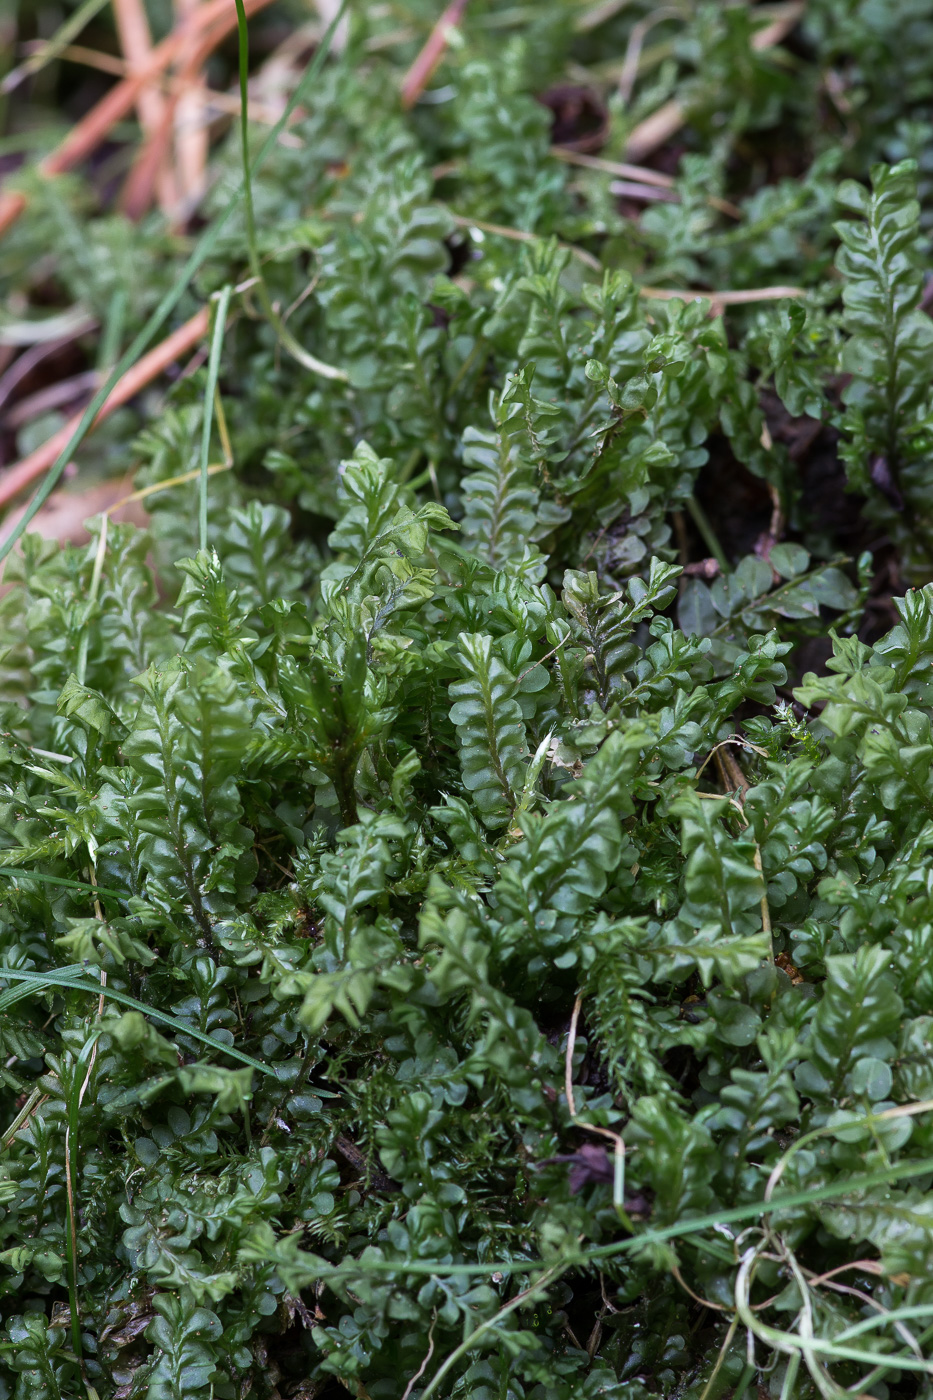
{"type": "Point", "coordinates": [429, 750]}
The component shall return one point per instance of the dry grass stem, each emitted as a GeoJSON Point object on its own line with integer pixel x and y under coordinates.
{"type": "Point", "coordinates": [214, 21]}
{"type": "Point", "coordinates": [419, 74]}
{"type": "Point", "coordinates": [136, 43]}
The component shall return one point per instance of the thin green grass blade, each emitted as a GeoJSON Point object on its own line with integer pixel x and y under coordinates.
{"type": "Point", "coordinates": [14, 994]}
{"type": "Point", "coordinates": [201, 252]}
{"type": "Point", "coordinates": [21, 873]}
{"type": "Point", "coordinates": [588, 1258]}
{"type": "Point", "coordinates": [213, 372]}
{"type": "Point", "coordinates": [81, 1072]}
{"type": "Point", "coordinates": [39, 981]}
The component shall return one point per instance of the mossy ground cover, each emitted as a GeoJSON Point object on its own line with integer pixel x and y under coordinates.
{"type": "Point", "coordinates": [468, 897]}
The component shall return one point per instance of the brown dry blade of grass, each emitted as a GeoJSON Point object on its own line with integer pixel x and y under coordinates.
{"type": "Point", "coordinates": [192, 138]}
{"type": "Point", "coordinates": [642, 174]}
{"type": "Point", "coordinates": [718, 300]}
{"type": "Point", "coordinates": [219, 104]}
{"type": "Point", "coordinates": [152, 158]}
{"type": "Point", "coordinates": [214, 21]}
{"type": "Point", "coordinates": [191, 109]}
{"type": "Point", "coordinates": [30, 468]}
{"type": "Point", "coordinates": [136, 43]}
{"type": "Point", "coordinates": [30, 358]}
{"type": "Point", "coordinates": [419, 74]}
{"type": "Point", "coordinates": [648, 135]}
{"type": "Point", "coordinates": [181, 123]}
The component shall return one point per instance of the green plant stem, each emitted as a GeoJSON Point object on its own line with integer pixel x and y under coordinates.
{"type": "Point", "coordinates": [707, 533]}
{"type": "Point", "coordinates": [83, 1068]}
{"type": "Point", "coordinates": [24, 874]}
{"type": "Point", "coordinates": [588, 1258]}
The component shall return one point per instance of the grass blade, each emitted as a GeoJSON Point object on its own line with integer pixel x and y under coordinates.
{"type": "Point", "coordinates": [22, 873]}
{"type": "Point", "coordinates": [61, 977]}
{"type": "Point", "coordinates": [82, 1077]}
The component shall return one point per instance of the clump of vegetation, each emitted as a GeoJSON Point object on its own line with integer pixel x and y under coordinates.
{"type": "Point", "coordinates": [467, 925]}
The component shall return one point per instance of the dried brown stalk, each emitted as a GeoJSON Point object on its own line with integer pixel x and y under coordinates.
{"type": "Point", "coordinates": [192, 139]}
{"type": "Point", "coordinates": [717, 300]}
{"type": "Point", "coordinates": [213, 22]}
{"type": "Point", "coordinates": [419, 74]}
{"type": "Point", "coordinates": [136, 43]}
{"type": "Point", "coordinates": [151, 159]}
{"type": "Point", "coordinates": [641, 174]}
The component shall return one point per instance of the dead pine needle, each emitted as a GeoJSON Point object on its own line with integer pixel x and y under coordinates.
{"type": "Point", "coordinates": [419, 74]}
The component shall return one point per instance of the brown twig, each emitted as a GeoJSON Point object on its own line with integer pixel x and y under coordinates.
{"type": "Point", "coordinates": [520, 235]}
{"type": "Point", "coordinates": [214, 20]}
{"type": "Point", "coordinates": [180, 120]}
{"type": "Point", "coordinates": [151, 158]}
{"type": "Point", "coordinates": [614, 1138]}
{"type": "Point", "coordinates": [90, 58]}
{"type": "Point", "coordinates": [624, 169]}
{"type": "Point", "coordinates": [30, 468]}
{"type": "Point", "coordinates": [191, 135]}
{"type": "Point", "coordinates": [419, 74]}
{"type": "Point", "coordinates": [222, 103]}
{"type": "Point", "coordinates": [716, 299]}
{"type": "Point", "coordinates": [136, 43]}
{"type": "Point", "coordinates": [643, 194]}
{"type": "Point", "coordinates": [639, 33]}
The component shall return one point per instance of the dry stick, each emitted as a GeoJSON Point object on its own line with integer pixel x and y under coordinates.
{"type": "Point", "coordinates": [44, 51]}
{"type": "Point", "coordinates": [142, 373]}
{"type": "Point", "coordinates": [648, 135]}
{"type": "Point", "coordinates": [136, 43]}
{"type": "Point", "coordinates": [32, 1105]}
{"type": "Point", "coordinates": [55, 395]}
{"type": "Point", "coordinates": [226, 103]}
{"type": "Point", "coordinates": [716, 299]}
{"type": "Point", "coordinates": [87, 134]}
{"type": "Point", "coordinates": [192, 140]}
{"type": "Point", "coordinates": [624, 169]}
{"type": "Point", "coordinates": [180, 111]}
{"type": "Point", "coordinates": [520, 235]}
{"type": "Point", "coordinates": [639, 32]}
{"type": "Point", "coordinates": [743, 298]}
{"type": "Point", "coordinates": [419, 74]}
{"type": "Point", "coordinates": [150, 159]}
{"type": "Point", "coordinates": [93, 58]}
{"type": "Point", "coordinates": [643, 174]}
